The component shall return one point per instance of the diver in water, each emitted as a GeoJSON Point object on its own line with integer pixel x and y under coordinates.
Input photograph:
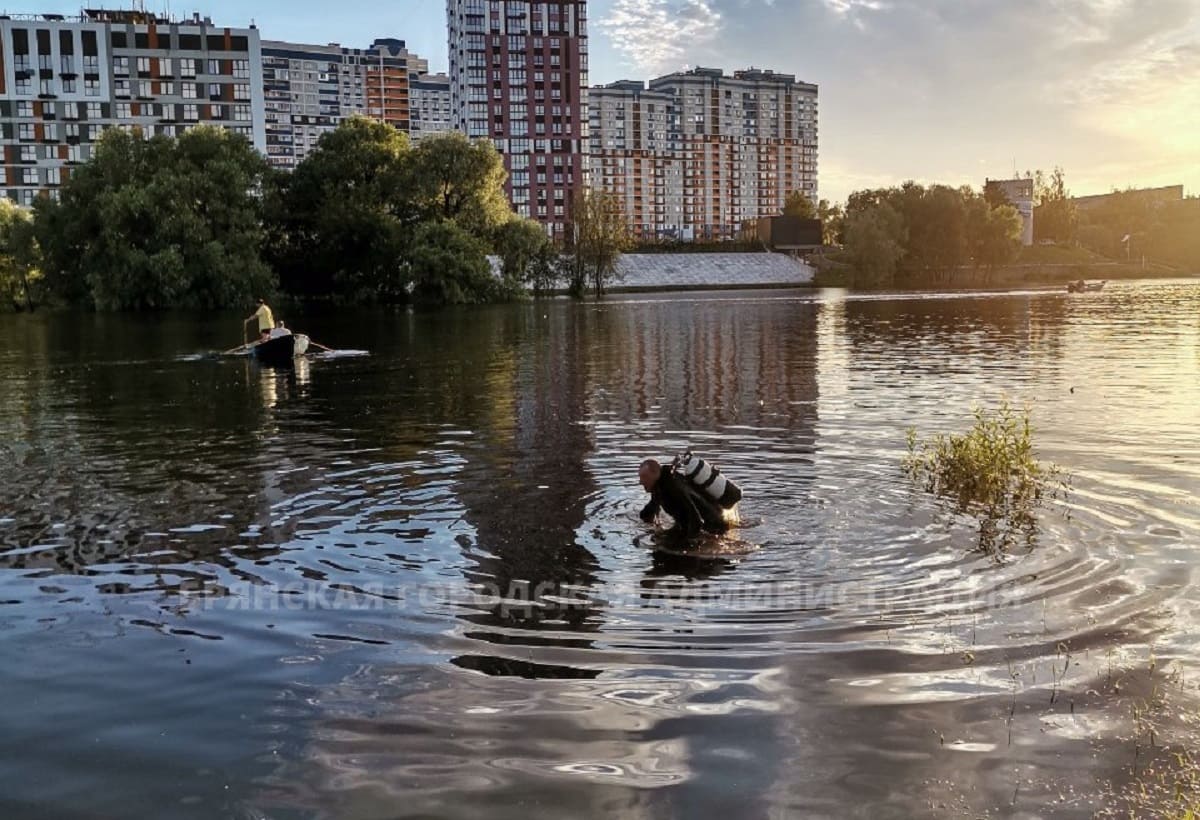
{"type": "Point", "coordinates": [692, 508]}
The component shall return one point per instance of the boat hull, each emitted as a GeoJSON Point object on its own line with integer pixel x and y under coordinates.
{"type": "Point", "coordinates": [277, 352]}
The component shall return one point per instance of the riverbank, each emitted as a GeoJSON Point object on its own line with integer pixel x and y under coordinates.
{"type": "Point", "coordinates": [1019, 275]}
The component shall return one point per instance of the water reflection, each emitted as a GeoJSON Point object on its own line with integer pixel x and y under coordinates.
{"type": "Point", "coordinates": [415, 582]}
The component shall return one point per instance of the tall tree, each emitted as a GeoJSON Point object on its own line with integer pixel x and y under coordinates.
{"type": "Point", "coordinates": [875, 238]}
{"type": "Point", "coordinates": [597, 235]}
{"type": "Point", "coordinates": [524, 248]}
{"type": "Point", "coordinates": [341, 222]}
{"type": "Point", "coordinates": [450, 266]}
{"type": "Point", "coordinates": [159, 223]}
{"type": "Point", "coordinates": [18, 256]}
{"type": "Point", "coordinates": [1054, 216]}
{"type": "Point", "coordinates": [799, 204]}
{"type": "Point", "coordinates": [452, 177]}
{"type": "Point", "coordinates": [831, 217]}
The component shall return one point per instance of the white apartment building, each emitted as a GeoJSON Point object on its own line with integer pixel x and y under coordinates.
{"type": "Point", "coordinates": [65, 80]}
{"type": "Point", "coordinates": [309, 89]}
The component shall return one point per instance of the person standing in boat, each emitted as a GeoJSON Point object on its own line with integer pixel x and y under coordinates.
{"type": "Point", "coordinates": [692, 508]}
{"type": "Point", "coordinates": [264, 318]}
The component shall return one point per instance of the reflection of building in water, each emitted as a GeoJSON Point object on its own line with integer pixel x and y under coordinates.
{"type": "Point", "coordinates": [711, 363]}
{"type": "Point", "coordinates": [524, 486]}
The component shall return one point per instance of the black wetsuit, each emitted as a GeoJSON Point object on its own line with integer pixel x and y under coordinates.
{"type": "Point", "coordinates": [692, 508]}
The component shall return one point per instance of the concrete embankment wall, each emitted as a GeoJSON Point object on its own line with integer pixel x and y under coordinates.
{"type": "Point", "coordinates": [709, 271]}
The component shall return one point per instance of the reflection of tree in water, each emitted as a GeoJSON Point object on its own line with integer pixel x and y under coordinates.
{"type": "Point", "coordinates": [883, 329]}
{"type": "Point", "coordinates": [115, 444]}
{"type": "Point", "coordinates": [525, 488]}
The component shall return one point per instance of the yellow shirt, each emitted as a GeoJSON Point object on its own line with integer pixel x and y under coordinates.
{"type": "Point", "coordinates": [265, 320]}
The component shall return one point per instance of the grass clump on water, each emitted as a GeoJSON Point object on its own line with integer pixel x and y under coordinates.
{"type": "Point", "coordinates": [991, 473]}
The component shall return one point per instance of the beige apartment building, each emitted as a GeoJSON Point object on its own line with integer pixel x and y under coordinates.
{"type": "Point", "coordinates": [697, 153]}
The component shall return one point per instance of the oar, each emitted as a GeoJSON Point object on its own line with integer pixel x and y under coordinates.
{"type": "Point", "coordinates": [323, 347]}
{"type": "Point", "coordinates": [235, 349]}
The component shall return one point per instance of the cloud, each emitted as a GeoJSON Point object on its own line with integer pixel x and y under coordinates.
{"type": "Point", "coordinates": [658, 35]}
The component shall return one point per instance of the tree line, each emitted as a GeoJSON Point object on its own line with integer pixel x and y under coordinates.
{"type": "Point", "coordinates": [918, 235]}
{"type": "Point", "coordinates": [202, 221]}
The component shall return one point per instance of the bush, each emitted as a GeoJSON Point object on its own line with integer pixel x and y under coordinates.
{"type": "Point", "coordinates": [990, 473]}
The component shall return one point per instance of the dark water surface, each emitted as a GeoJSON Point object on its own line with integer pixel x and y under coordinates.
{"type": "Point", "coordinates": [414, 583]}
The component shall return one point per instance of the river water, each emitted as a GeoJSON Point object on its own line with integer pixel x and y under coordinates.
{"type": "Point", "coordinates": [414, 582]}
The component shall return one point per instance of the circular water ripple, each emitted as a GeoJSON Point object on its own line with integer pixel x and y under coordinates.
{"type": "Point", "coordinates": [420, 575]}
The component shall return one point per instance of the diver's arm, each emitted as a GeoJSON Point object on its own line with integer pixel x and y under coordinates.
{"type": "Point", "coordinates": [650, 511]}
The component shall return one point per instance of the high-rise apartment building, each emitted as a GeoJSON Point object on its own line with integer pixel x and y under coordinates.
{"type": "Point", "coordinates": [429, 101]}
{"type": "Point", "coordinates": [636, 154]}
{"type": "Point", "coordinates": [518, 75]}
{"type": "Point", "coordinates": [741, 144]}
{"type": "Point", "coordinates": [64, 80]}
{"type": "Point", "coordinates": [309, 89]}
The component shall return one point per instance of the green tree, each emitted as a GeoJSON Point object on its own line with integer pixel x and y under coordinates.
{"type": "Point", "coordinates": [18, 256]}
{"type": "Point", "coordinates": [452, 177]}
{"type": "Point", "coordinates": [340, 224]}
{"type": "Point", "coordinates": [520, 243]}
{"type": "Point", "coordinates": [831, 217]}
{"type": "Point", "coordinates": [799, 204]}
{"type": "Point", "coordinates": [993, 234]}
{"type": "Point", "coordinates": [1054, 216]}
{"type": "Point", "coordinates": [449, 266]}
{"type": "Point", "coordinates": [159, 223]}
{"type": "Point", "coordinates": [874, 242]}
{"type": "Point", "coordinates": [597, 235]}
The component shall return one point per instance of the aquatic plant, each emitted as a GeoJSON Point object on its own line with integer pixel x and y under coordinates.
{"type": "Point", "coordinates": [990, 472]}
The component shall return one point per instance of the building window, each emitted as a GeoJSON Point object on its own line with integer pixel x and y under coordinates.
{"type": "Point", "coordinates": [167, 88]}
{"type": "Point", "coordinates": [50, 132]}
{"type": "Point", "coordinates": [93, 111]}
{"type": "Point", "coordinates": [71, 130]}
{"type": "Point", "coordinates": [46, 88]}
{"type": "Point", "coordinates": [168, 111]}
{"type": "Point", "coordinates": [214, 91]}
{"type": "Point", "coordinates": [122, 111]}
{"type": "Point", "coordinates": [165, 67]}
{"type": "Point", "coordinates": [29, 176]}
{"type": "Point", "coordinates": [24, 108]}
{"type": "Point", "coordinates": [26, 131]}
{"type": "Point", "coordinates": [70, 85]}
{"type": "Point", "coordinates": [241, 69]}
{"type": "Point", "coordinates": [143, 65]}
{"type": "Point", "coordinates": [91, 64]}
{"type": "Point", "coordinates": [241, 92]}
{"type": "Point", "coordinates": [218, 112]}
{"type": "Point", "coordinates": [121, 88]}
{"type": "Point", "coordinates": [28, 153]}
{"type": "Point", "coordinates": [120, 65]}
{"type": "Point", "coordinates": [74, 153]}
{"type": "Point", "coordinates": [191, 113]}
{"type": "Point", "coordinates": [189, 91]}
{"type": "Point", "coordinates": [53, 176]}
{"type": "Point", "coordinates": [27, 197]}
{"type": "Point", "coordinates": [214, 66]}
{"type": "Point", "coordinates": [187, 69]}
{"type": "Point", "coordinates": [144, 89]}
{"type": "Point", "coordinates": [91, 88]}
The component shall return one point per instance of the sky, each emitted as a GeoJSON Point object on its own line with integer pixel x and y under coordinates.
{"type": "Point", "coordinates": [951, 91]}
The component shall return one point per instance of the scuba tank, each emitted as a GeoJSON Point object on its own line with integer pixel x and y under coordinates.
{"type": "Point", "coordinates": [709, 479]}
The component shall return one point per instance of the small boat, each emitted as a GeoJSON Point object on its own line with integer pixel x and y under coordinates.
{"type": "Point", "coordinates": [1081, 286]}
{"type": "Point", "coordinates": [280, 350]}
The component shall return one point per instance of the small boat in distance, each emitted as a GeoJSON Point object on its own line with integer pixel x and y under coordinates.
{"type": "Point", "coordinates": [1082, 286]}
